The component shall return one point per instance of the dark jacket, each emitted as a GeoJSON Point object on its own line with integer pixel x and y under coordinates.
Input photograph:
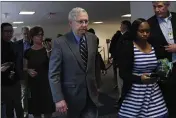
{"type": "Point", "coordinates": [7, 55]}
{"type": "Point", "coordinates": [18, 49]}
{"type": "Point", "coordinates": [119, 45]}
{"type": "Point", "coordinates": [19, 52]}
{"type": "Point", "coordinates": [113, 44]}
{"type": "Point", "coordinates": [157, 37]}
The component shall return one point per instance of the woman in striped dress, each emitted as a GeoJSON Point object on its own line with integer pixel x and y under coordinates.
{"type": "Point", "coordinates": [142, 97]}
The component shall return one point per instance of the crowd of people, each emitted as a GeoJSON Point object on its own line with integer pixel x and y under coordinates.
{"type": "Point", "coordinates": [41, 76]}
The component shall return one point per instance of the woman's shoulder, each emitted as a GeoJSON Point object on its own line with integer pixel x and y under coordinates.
{"type": "Point", "coordinates": [27, 53]}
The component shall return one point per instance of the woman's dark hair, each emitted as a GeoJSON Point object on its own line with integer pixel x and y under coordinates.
{"type": "Point", "coordinates": [135, 27]}
{"type": "Point", "coordinates": [35, 31]}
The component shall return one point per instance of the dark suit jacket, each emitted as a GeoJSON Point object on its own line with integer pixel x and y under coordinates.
{"type": "Point", "coordinates": [7, 55]}
{"type": "Point", "coordinates": [113, 44]}
{"type": "Point", "coordinates": [119, 45]}
{"type": "Point", "coordinates": [157, 37]}
{"type": "Point", "coordinates": [126, 66]}
{"type": "Point", "coordinates": [18, 49]}
{"type": "Point", "coordinates": [19, 52]}
{"type": "Point", "coordinates": [68, 79]}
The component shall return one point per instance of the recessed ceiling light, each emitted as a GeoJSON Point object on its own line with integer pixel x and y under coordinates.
{"type": "Point", "coordinates": [99, 22]}
{"type": "Point", "coordinates": [18, 22]}
{"type": "Point", "coordinates": [14, 27]}
{"type": "Point", "coordinates": [27, 12]}
{"type": "Point", "coordinates": [126, 15]}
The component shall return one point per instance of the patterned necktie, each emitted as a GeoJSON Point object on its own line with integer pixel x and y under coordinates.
{"type": "Point", "coordinates": [83, 51]}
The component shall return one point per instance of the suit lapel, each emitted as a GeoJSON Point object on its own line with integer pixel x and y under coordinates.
{"type": "Point", "coordinates": [173, 21]}
{"type": "Point", "coordinates": [74, 47]}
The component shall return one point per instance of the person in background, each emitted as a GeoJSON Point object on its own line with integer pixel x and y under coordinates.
{"type": "Point", "coordinates": [36, 64]}
{"type": "Point", "coordinates": [163, 36]}
{"type": "Point", "coordinates": [10, 82]}
{"type": "Point", "coordinates": [20, 47]}
{"type": "Point", "coordinates": [125, 33]}
{"type": "Point", "coordinates": [100, 61]}
{"type": "Point", "coordinates": [112, 51]}
{"type": "Point", "coordinates": [47, 43]}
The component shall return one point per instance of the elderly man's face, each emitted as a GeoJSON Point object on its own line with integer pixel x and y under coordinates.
{"type": "Point", "coordinates": [160, 9]}
{"type": "Point", "coordinates": [79, 26]}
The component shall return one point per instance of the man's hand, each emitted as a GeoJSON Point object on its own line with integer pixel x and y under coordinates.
{"type": "Point", "coordinates": [171, 48]}
{"type": "Point", "coordinates": [4, 68]}
{"type": "Point", "coordinates": [61, 107]}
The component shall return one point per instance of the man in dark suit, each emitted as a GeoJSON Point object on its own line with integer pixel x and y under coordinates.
{"type": "Point", "coordinates": [116, 52]}
{"type": "Point", "coordinates": [72, 69]}
{"type": "Point", "coordinates": [124, 32]}
{"type": "Point", "coordinates": [20, 47]}
{"type": "Point", "coordinates": [10, 82]}
{"type": "Point", "coordinates": [112, 51]}
{"type": "Point", "coordinates": [163, 36]}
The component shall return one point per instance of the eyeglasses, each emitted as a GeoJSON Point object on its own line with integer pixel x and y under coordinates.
{"type": "Point", "coordinates": [81, 22]}
{"type": "Point", "coordinates": [39, 35]}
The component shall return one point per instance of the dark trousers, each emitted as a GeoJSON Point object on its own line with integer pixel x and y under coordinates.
{"type": "Point", "coordinates": [11, 96]}
{"type": "Point", "coordinates": [169, 94]}
{"type": "Point", "coordinates": [114, 71]}
{"type": "Point", "coordinates": [172, 95]}
{"type": "Point", "coordinates": [90, 111]}
{"type": "Point", "coordinates": [3, 110]}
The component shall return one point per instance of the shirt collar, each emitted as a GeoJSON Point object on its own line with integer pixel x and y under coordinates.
{"type": "Point", "coordinates": [24, 41]}
{"type": "Point", "coordinates": [123, 32]}
{"type": "Point", "coordinates": [77, 37]}
{"type": "Point", "coordinates": [165, 19]}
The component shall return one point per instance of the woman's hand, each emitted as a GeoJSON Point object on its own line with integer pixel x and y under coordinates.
{"type": "Point", "coordinates": [145, 76]}
{"type": "Point", "coordinates": [146, 79]}
{"type": "Point", "coordinates": [32, 72]}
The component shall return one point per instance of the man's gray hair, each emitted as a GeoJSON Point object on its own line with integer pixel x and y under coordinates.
{"type": "Point", "coordinates": [75, 12]}
{"type": "Point", "coordinates": [165, 2]}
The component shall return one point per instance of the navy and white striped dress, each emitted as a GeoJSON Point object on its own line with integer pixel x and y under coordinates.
{"type": "Point", "coordinates": [143, 100]}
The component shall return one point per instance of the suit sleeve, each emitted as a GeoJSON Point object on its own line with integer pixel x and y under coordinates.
{"type": "Point", "coordinates": [55, 72]}
{"type": "Point", "coordinates": [97, 62]}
